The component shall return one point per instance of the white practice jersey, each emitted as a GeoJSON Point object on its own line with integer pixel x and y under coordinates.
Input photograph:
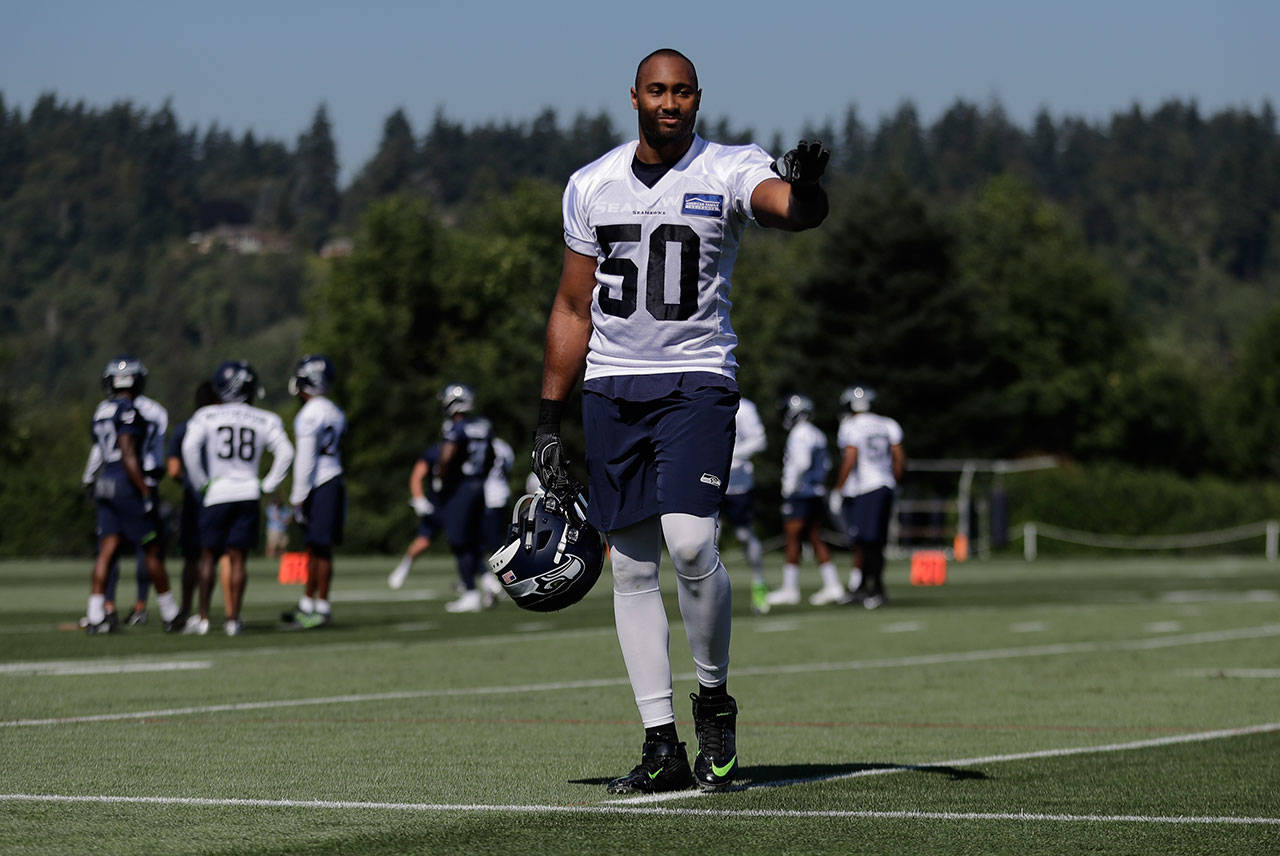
{"type": "Point", "coordinates": [317, 431]}
{"type": "Point", "coordinates": [748, 440]}
{"type": "Point", "coordinates": [664, 256]}
{"type": "Point", "coordinates": [805, 463]}
{"type": "Point", "coordinates": [153, 444]}
{"type": "Point", "coordinates": [873, 436]}
{"type": "Point", "coordinates": [233, 437]}
{"type": "Point", "coordinates": [497, 484]}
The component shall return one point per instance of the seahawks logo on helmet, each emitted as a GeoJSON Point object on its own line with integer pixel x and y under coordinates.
{"type": "Point", "coordinates": [236, 381]}
{"type": "Point", "coordinates": [858, 398]}
{"type": "Point", "coordinates": [125, 372]}
{"type": "Point", "coordinates": [457, 398]}
{"type": "Point", "coordinates": [795, 407]}
{"type": "Point", "coordinates": [553, 556]}
{"type": "Point", "coordinates": [314, 375]}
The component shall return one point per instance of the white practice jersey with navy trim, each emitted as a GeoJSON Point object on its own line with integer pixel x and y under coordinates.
{"type": "Point", "coordinates": [873, 436]}
{"type": "Point", "coordinates": [497, 484]}
{"type": "Point", "coordinates": [805, 463]}
{"type": "Point", "coordinates": [664, 256]}
{"type": "Point", "coordinates": [233, 437]}
{"type": "Point", "coordinates": [317, 434]}
{"type": "Point", "coordinates": [748, 440]}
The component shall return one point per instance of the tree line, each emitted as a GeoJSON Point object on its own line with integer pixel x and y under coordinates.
{"type": "Point", "coordinates": [1105, 291]}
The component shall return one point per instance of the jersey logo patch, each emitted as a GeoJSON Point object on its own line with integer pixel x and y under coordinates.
{"type": "Point", "coordinates": [708, 478]}
{"type": "Point", "coordinates": [703, 204]}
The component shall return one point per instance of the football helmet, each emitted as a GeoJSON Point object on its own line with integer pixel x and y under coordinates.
{"type": "Point", "coordinates": [125, 372]}
{"type": "Point", "coordinates": [457, 398]}
{"type": "Point", "coordinates": [235, 380]}
{"type": "Point", "coordinates": [552, 557]}
{"type": "Point", "coordinates": [794, 407]}
{"type": "Point", "coordinates": [857, 398]}
{"type": "Point", "coordinates": [314, 375]}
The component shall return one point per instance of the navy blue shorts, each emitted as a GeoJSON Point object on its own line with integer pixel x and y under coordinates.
{"type": "Point", "coordinates": [810, 509]}
{"type": "Point", "coordinates": [121, 511]}
{"type": "Point", "coordinates": [189, 526]}
{"type": "Point", "coordinates": [496, 521]}
{"type": "Point", "coordinates": [325, 509]}
{"type": "Point", "coordinates": [664, 456]}
{"type": "Point", "coordinates": [739, 509]}
{"type": "Point", "coordinates": [462, 515]}
{"type": "Point", "coordinates": [229, 524]}
{"type": "Point", "coordinates": [429, 525]}
{"type": "Point", "coordinates": [866, 517]}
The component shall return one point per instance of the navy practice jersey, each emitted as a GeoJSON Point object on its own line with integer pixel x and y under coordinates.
{"type": "Point", "coordinates": [474, 456]}
{"type": "Point", "coordinates": [113, 418]}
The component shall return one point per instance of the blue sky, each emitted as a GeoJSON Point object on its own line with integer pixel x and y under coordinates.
{"type": "Point", "coordinates": [769, 66]}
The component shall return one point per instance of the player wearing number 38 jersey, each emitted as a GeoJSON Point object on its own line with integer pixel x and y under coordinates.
{"type": "Point", "coordinates": [232, 436]}
{"type": "Point", "coordinates": [642, 314]}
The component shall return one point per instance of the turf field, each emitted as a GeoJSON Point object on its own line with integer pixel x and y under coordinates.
{"type": "Point", "coordinates": [1065, 706]}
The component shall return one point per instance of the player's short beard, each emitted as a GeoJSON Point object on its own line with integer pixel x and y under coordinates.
{"type": "Point", "coordinates": [658, 138]}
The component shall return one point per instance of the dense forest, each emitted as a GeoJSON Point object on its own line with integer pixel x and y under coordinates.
{"type": "Point", "coordinates": [1108, 292]}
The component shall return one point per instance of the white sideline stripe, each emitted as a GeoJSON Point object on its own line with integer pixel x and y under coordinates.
{"type": "Point", "coordinates": [595, 683]}
{"type": "Point", "coordinates": [86, 667]}
{"type": "Point", "coordinates": [1198, 737]}
{"type": "Point", "coordinates": [640, 810]}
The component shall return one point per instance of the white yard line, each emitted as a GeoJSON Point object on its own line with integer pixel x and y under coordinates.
{"type": "Point", "coordinates": [62, 668]}
{"type": "Point", "coordinates": [1264, 631]}
{"type": "Point", "coordinates": [1173, 740]}
{"type": "Point", "coordinates": [209, 802]}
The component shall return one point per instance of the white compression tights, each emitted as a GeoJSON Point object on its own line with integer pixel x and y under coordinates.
{"type": "Point", "coordinates": [705, 605]}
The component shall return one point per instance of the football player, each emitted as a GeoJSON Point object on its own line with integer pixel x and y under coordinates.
{"type": "Point", "coordinates": [221, 453]}
{"type": "Point", "coordinates": [153, 447]}
{"type": "Point", "coordinates": [871, 465]}
{"type": "Point", "coordinates": [189, 525]}
{"type": "Point", "coordinates": [497, 493]}
{"type": "Point", "coordinates": [738, 507]}
{"type": "Point", "coordinates": [466, 456]}
{"type": "Point", "coordinates": [424, 503]}
{"type": "Point", "coordinates": [318, 494]}
{"type": "Point", "coordinates": [651, 231]}
{"type": "Point", "coordinates": [805, 467]}
{"type": "Point", "coordinates": [126, 503]}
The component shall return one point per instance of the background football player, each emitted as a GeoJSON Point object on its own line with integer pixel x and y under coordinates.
{"type": "Point", "coordinates": [125, 503]}
{"type": "Point", "coordinates": [739, 507]}
{"type": "Point", "coordinates": [871, 465]}
{"type": "Point", "coordinates": [318, 494]}
{"type": "Point", "coordinates": [221, 453]}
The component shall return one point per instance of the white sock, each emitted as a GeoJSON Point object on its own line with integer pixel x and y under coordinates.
{"type": "Point", "coordinates": [403, 567]}
{"type": "Point", "coordinates": [830, 576]}
{"type": "Point", "coordinates": [641, 619]}
{"type": "Point", "coordinates": [168, 606]}
{"type": "Point", "coordinates": [306, 604]}
{"type": "Point", "coordinates": [322, 606]}
{"type": "Point", "coordinates": [791, 576]}
{"type": "Point", "coordinates": [855, 578]}
{"type": "Point", "coordinates": [705, 593]}
{"type": "Point", "coordinates": [97, 611]}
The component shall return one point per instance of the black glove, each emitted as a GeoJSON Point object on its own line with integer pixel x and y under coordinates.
{"type": "Point", "coordinates": [803, 165]}
{"type": "Point", "coordinates": [549, 464]}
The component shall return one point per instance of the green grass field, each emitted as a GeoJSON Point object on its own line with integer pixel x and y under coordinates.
{"type": "Point", "coordinates": [1065, 706]}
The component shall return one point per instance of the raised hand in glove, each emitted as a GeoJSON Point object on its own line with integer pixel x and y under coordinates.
{"type": "Point", "coordinates": [803, 165]}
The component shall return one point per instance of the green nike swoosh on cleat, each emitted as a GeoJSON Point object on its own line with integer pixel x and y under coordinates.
{"type": "Point", "coordinates": [655, 774]}
{"type": "Point", "coordinates": [724, 771]}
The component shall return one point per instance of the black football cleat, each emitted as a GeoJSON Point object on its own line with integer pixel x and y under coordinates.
{"type": "Point", "coordinates": [663, 767]}
{"type": "Point", "coordinates": [715, 720]}
{"type": "Point", "coordinates": [175, 624]}
{"type": "Point", "coordinates": [110, 624]}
